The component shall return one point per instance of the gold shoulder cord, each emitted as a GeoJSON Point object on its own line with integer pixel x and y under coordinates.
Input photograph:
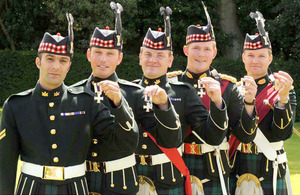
{"type": "Point", "coordinates": [177, 123]}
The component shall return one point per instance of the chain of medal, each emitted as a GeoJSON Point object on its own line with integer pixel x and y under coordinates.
{"type": "Point", "coordinates": [201, 88]}
{"type": "Point", "coordinates": [148, 105]}
{"type": "Point", "coordinates": [98, 92]}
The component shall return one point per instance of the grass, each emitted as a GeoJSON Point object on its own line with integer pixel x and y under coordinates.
{"type": "Point", "coordinates": [291, 146]}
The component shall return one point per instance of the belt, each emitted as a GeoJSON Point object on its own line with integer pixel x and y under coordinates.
{"type": "Point", "coordinates": [251, 148]}
{"type": "Point", "coordinates": [199, 149]}
{"type": "Point", "coordinates": [53, 172]}
{"type": "Point", "coordinates": [113, 165]}
{"type": "Point", "coordinates": [154, 159]}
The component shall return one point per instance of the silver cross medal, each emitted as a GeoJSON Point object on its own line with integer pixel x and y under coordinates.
{"type": "Point", "coordinates": [201, 93]}
{"type": "Point", "coordinates": [98, 91]}
{"type": "Point", "coordinates": [148, 105]}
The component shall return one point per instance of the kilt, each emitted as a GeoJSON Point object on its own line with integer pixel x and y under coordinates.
{"type": "Point", "coordinates": [196, 165]}
{"type": "Point", "coordinates": [32, 185]}
{"type": "Point", "coordinates": [251, 163]}
{"type": "Point", "coordinates": [149, 171]}
{"type": "Point", "coordinates": [100, 182]}
{"type": "Point", "coordinates": [94, 180]}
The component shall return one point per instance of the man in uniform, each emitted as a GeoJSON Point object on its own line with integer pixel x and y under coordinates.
{"type": "Point", "coordinates": [113, 171]}
{"type": "Point", "coordinates": [200, 50]}
{"type": "Point", "coordinates": [51, 127]}
{"type": "Point", "coordinates": [264, 160]}
{"type": "Point", "coordinates": [155, 59]}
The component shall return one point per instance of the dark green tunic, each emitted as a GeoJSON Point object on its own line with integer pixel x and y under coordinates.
{"type": "Point", "coordinates": [134, 94]}
{"type": "Point", "coordinates": [36, 119]}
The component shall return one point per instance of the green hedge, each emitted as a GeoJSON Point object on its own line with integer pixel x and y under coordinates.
{"type": "Point", "coordinates": [18, 70]}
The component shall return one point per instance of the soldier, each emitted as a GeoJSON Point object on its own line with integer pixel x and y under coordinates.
{"type": "Point", "coordinates": [200, 50]}
{"type": "Point", "coordinates": [112, 171]}
{"type": "Point", "coordinates": [155, 59]}
{"type": "Point", "coordinates": [261, 166]}
{"type": "Point", "coordinates": [51, 127]}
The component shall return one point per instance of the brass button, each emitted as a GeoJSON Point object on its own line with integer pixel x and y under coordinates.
{"type": "Point", "coordinates": [52, 117]}
{"type": "Point", "coordinates": [144, 146]}
{"type": "Point", "coordinates": [53, 131]}
{"type": "Point", "coordinates": [51, 104]}
{"type": "Point", "coordinates": [95, 141]}
{"type": "Point", "coordinates": [55, 159]}
{"type": "Point", "coordinates": [94, 154]}
{"type": "Point", "coordinates": [145, 134]}
{"type": "Point", "coordinates": [125, 187]}
{"type": "Point", "coordinates": [54, 146]}
{"type": "Point", "coordinates": [195, 85]}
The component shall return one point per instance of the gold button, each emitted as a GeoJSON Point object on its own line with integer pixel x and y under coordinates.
{"type": "Point", "coordinates": [94, 154]}
{"type": "Point", "coordinates": [174, 180]}
{"type": "Point", "coordinates": [55, 159]}
{"type": "Point", "coordinates": [54, 146]}
{"type": "Point", "coordinates": [52, 117]}
{"type": "Point", "coordinates": [195, 85]}
{"type": "Point", "coordinates": [112, 185]}
{"type": "Point", "coordinates": [145, 134]}
{"type": "Point", "coordinates": [125, 187]}
{"type": "Point", "coordinates": [144, 146]}
{"type": "Point", "coordinates": [53, 131]}
{"type": "Point", "coordinates": [51, 104]}
{"type": "Point", "coordinates": [95, 141]}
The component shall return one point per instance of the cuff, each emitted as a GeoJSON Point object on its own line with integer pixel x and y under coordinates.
{"type": "Point", "coordinates": [282, 116]}
{"type": "Point", "coordinates": [219, 116]}
{"type": "Point", "coordinates": [167, 118]}
{"type": "Point", "coordinates": [123, 115]}
{"type": "Point", "coordinates": [249, 123]}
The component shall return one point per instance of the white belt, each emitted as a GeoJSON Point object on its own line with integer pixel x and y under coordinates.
{"type": "Point", "coordinates": [53, 172]}
{"type": "Point", "coordinates": [205, 148]}
{"type": "Point", "coordinates": [162, 158]}
{"type": "Point", "coordinates": [275, 145]}
{"type": "Point", "coordinates": [119, 164]}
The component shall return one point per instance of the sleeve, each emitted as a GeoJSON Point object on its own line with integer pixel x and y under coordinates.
{"type": "Point", "coordinates": [163, 125]}
{"type": "Point", "coordinates": [210, 126]}
{"type": "Point", "coordinates": [283, 119]}
{"type": "Point", "coordinates": [114, 134]}
{"type": "Point", "coordinates": [242, 126]}
{"type": "Point", "coordinates": [9, 151]}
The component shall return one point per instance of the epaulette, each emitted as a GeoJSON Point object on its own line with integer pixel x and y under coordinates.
{"type": "Point", "coordinates": [136, 81]}
{"type": "Point", "coordinates": [23, 93]}
{"type": "Point", "coordinates": [228, 78]}
{"type": "Point", "coordinates": [181, 83]}
{"type": "Point", "coordinates": [174, 74]}
{"type": "Point", "coordinates": [133, 84]}
{"type": "Point", "coordinates": [79, 83]}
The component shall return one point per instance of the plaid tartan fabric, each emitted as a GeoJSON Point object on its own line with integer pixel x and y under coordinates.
{"type": "Point", "coordinates": [151, 44]}
{"type": "Point", "coordinates": [195, 163]}
{"type": "Point", "coordinates": [249, 45]}
{"type": "Point", "coordinates": [198, 37]}
{"type": "Point", "coordinates": [149, 171]}
{"type": "Point", "coordinates": [254, 165]}
{"type": "Point", "coordinates": [101, 43]}
{"type": "Point", "coordinates": [94, 180]}
{"type": "Point", "coordinates": [53, 48]}
{"type": "Point", "coordinates": [32, 185]}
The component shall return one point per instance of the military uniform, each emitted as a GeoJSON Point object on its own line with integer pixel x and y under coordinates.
{"type": "Point", "coordinates": [275, 125]}
{"type": "Point", "coordinates": [52, 132]}
{"type": "Point", "coordinates": [146, 121]}
{"type": "Point", "coordinates": [192, 114]}
{"type": "Point", "coordinates": [122, 177]}
{"type": "Point", "coordinates": [201, 158]}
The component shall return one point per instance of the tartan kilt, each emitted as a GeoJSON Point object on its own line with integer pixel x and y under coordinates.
{"type": "Point", "coordinates": [252, 163]}
{"type": "Point", "coordinates": [149, 171]}
{"type": "Point", "coordinates": [196, 165]}
{"type": "Point", "coordinates": [101, 182]}
{"type": "Point", "coordinates": [32, 185]}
